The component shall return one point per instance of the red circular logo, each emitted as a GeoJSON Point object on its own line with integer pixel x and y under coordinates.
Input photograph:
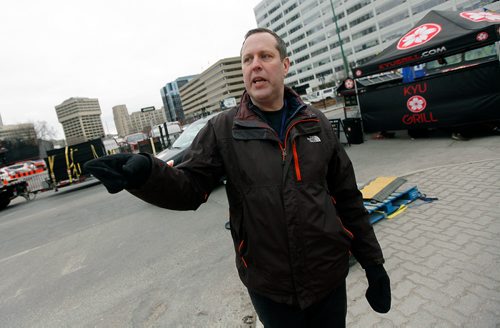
{"type": "Point", "coordinates": [482, 36]}
{"type": "Point", "coordinates": [349, 84]}
{"type": "Point", "coordinates": [358, 72]}
{"type": "Point", "coordinates": [481, 16]}
{"type": "Point", "coordinates": [416, 104]}
{"type": "Point", "coordinates": [418, 36]}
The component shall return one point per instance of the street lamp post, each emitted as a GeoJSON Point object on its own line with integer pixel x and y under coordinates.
{"type": "Point", "coordinates": [346, 66]}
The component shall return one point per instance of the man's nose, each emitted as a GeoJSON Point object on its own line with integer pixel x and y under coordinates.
{"type": "Point", "coordinates": [256, 64]}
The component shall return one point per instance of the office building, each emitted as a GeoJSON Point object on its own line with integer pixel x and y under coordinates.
{"type": "Point", "coordinates": [122, 120]}
{"type": "Point", "coordinates": [23, 131]}
{"type": "Point", "coordinates": [366, 27]}
{"type": "Point", "coordinates": [203, 94]}
{"type": "Point", "coordinates": [80, 119]}
{"type": "Point", "coordinates": [172, 99]}
{"type": "Point", "coordinates": [142, 122]}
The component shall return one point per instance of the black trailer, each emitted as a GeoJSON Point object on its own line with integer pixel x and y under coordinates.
{"type": "Point", "coordinates": [65, 165]}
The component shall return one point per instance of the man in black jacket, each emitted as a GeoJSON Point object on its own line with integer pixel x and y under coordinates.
{"type": "Point", "coordinates": [295, 211]}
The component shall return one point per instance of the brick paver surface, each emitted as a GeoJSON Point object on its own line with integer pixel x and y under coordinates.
{"type": "Point", "coordinates": [443, 257]}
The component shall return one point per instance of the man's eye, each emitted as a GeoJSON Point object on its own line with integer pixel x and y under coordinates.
{"type": "Point", "coordinates": [246, 60]}
{"type": "Point", "coordinates": [266, 57]}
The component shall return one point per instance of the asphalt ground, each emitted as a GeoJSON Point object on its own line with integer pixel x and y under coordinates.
{"type": "Point", "coordinates": [443, 257]}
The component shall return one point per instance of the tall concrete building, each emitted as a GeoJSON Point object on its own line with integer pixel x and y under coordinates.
{"type": "Point", "coordinates": [172, 99]}
{"type": "Point", "coordinates": [80, 119]}
{"type": "Point", "coordinates": [203, 94]}
{"type": "Point", "coordinates": [122, 120]}
{"type": "Point", "coordinates": [142, 122]}
{"type": "Point", "coordinates": [366, 27]}
{"type": "Point", "coordinates": [137, 121]}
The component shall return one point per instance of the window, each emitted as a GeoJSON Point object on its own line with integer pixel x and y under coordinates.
{"type": "Point", "coordinates": [314, 29]}
{"type": "Point", "coordinates": [296, 28]}
{"type": "Point", "coordinates": [311, 19]}
{"type": "Point", "coordinates": [362, 18]}
{"type": "Point", "coordinates": [395, 34]}
{"type": "Point", "coordinates": [324, 73]}
{"type": "Point", "coordinates": [275, 19]}
{"type": "Point", "coordinates": [279, 27]}
{"type": "Point", "coordinates": [364, 32]}
{"type": "Point", "coordinates": [367, 45]}
{"type": "Point", "coordinates": [393, 19]}
{"type": "Point", "coordinates": [287, 10]}
{"type": "Point", "coordinates": [365, 59]}
{"type": "Point", "coordinates": [293, 18]}
{"type": "Point", "coordinates": [298, 38]}
{"type": "Point", "coordinates": [301, 59]}
{"type": "Point", "coordinates": [309, 7]}
{"type": "Point", "coordinates": [319, 51]}
{"type": "Point", "coordinates": [272, 10]}
{"type": "Point", "coordinates": [317, 40]}
{"type": "Point", "coordinates": [388, 5]}
{"type": "Point", "coordinates": [304, 69]}
{"type": "Point", "coordinates": [337, 44]}
{"type": "Point", "coordinates": [357, 6]}
{"type": "Point", "coordinates": [426, 5]}
{"type": "Point", "coordinates": [321, 62]}
{"type": "Point", "coordinates": [299, 49]}
{"type": "Point", "coordinates": [306, 79]}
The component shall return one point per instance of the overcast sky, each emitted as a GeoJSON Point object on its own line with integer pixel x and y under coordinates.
{"type": "Point", "coordinates": [119, 51]}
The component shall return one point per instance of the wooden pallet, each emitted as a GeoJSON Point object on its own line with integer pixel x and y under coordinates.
{"type": "Point", "coordinates": [392, 205]}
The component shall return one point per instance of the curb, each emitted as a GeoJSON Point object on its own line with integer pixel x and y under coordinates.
{"type": "Point", "coordinates": [449, 165]}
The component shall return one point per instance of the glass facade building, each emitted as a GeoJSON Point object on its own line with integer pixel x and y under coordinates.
{"type": "Point", "coordinates": [172, 100]}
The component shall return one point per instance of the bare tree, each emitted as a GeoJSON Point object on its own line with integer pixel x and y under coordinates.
{"type": "Point", "coordinates": [44, 131]}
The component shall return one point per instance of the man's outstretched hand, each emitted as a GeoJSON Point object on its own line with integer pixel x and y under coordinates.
{"type": "Point", "coordinates": [120, 171]}
{"type": "Point", "coordinates": [378, 293]}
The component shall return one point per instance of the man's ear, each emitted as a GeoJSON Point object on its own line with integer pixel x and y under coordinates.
{"type": "Point", "coordinates": [286, 65]}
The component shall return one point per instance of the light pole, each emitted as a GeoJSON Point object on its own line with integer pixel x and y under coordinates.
{"type": "Point", "coordinates": [344, 59]}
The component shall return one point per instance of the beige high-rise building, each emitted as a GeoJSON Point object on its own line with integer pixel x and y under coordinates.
{"type": "Point", "coordinates": [140, 121]}
{"type": "Point", "coordinates": [122, 120]}
{"type": "Point", "coordinates": [203, 94]}
{"type": "Point", "coordinates": [81, 119]}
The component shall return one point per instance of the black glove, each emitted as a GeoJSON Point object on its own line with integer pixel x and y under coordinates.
{"type": "Point", "coordinates": [378, 293]}
{"type": "Point", "coordinates": [120, 171]}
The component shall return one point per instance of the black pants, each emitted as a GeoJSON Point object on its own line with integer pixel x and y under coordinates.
{"type": "Point", "coordinates": [330, 312]}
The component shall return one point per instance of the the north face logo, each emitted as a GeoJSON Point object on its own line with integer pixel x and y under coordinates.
{"type": "Point", "coordinates": [313, 139]}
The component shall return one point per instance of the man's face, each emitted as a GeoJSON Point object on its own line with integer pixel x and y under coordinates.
{"type": "Point", "coordinates": [263, 71]}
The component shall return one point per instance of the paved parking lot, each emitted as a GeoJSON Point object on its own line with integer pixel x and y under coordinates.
{"type": "Point", "coordinates": [443, 257]}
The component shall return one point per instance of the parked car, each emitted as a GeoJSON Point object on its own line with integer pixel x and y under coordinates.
{"type": "Point", "coordinates": [133, 140]}
{"type": "Point", "coordinates": [175, 154]}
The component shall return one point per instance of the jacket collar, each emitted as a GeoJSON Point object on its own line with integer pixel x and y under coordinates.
{"type": "Point", "coordinates": [246, 111]}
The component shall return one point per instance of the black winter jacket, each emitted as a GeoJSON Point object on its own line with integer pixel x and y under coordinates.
{"type": "Point", "coordinates": [295, 210]}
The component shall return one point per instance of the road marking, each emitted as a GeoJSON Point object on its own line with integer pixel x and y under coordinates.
{"type": "Point", "coordinates": [20, 254]}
